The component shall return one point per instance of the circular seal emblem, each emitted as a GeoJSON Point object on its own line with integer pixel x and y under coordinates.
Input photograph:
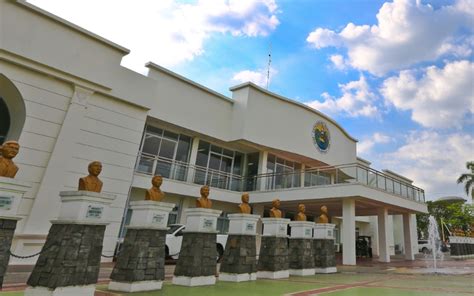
{"type": "Point", "coordinates": [321, 136]}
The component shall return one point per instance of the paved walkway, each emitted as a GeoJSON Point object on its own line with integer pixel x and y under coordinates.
{"type": "Point", "coordinates": [368, 274]}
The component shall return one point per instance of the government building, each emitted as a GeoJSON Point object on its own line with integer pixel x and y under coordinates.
{"type": "Point", "coordinates": [67, 100]}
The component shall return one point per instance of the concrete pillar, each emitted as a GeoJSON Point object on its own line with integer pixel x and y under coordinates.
{"type": "Point", "coordinates": [408, 228]}
{"type": "Point", "coordinates": [192, 159]}
{"type": "Point", "coordinates": [262, 169]}
{"type": "Point", "coordinates": [45, 207]}
{"type": "Point", "coordinates": [303, 168]}
{"type": "Point", "coordinates": [348, 232]}
{"type": "Point", "coordinates": [384, 233]}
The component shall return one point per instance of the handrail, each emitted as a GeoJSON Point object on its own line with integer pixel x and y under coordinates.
{"type": "Point", "coordinates": [339, 174]}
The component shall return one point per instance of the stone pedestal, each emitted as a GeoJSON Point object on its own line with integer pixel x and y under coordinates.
{"type": "Point", "coordinates": [239, 262]}
{"type": "Point", "coordinates": [70, 259]}
{"type": "Point", "coordinates": [323, 248]}
{"type": "Point", "coordinates": [141, 262]}
{"type": "Point", "coordinates": [273, 260]}
{"type": "Point", "coordinates": [197, 264]}
{"type": "Point", "coordinates": [11, 193]}
{"type": "Point", "coordinates": [301, 248]}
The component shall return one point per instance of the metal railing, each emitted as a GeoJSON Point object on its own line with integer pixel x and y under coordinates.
{"type": "Point", "coordinates": [183, 171]}
{"type": "Point", "coordinates": [342, 174]}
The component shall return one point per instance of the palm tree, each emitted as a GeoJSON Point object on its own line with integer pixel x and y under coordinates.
{"type": "Point", "coordinates": [467, 178]}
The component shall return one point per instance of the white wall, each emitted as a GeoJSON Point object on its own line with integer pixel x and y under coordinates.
{"type": "Point", "coordinates": [265, 119]}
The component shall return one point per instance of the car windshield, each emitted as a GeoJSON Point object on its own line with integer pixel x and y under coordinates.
{"type": "Point", "coordinates": [173, 228]}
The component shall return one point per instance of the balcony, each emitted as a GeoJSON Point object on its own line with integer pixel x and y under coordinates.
{"type": "Point", "coordinates": [322, 176]}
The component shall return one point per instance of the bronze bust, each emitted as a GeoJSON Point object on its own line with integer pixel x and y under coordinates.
{"type": "Point", "coordinates": [244, 207]}
{"type": "Point", "coordinates": [92, 182]}
{"type": "Point", "coordinates": [301, 213]}
{"type": "Point", "coordinates": [204, 201]}
{"type": "Point", "coordinates": [275, 212]}
{"type": "Point", "coordinates": [7, 166]}
{"type": "Point", "coordinates": [324, 215]}
{"type": "Point", "coordinates": [155, 193]}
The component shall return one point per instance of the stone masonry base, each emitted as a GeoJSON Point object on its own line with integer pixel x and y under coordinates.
{"type": "Point", "coordinates": [197, 260]}
{"type": "Point", "coordinates": [70, 258]}
{"type": "Point", "coordinates": [141, 262]}
{"type": "Point", "coordinates": [7, 229]}
{"type": "Point", "coordinates": [301, 254]}
{"type": "Point", "coordinates": [240, 257]}
{"type": "Point", "coordinates": [324, 254]}
{"type": "Point", "coordinates": [273, 257]}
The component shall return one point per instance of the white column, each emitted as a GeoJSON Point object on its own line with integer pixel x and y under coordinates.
{"type": "Point", "coordinates": [46, 206]}
{"type": "Point", "coordinates": [303, 167]}
{"type": "Point", "coordinates": [192, 159]}
{"type": "Point", "coordinates": [348, 232]}
{"type": "Point", "coordinates": [262, 169]}
{"type": "Point", "coordinates": [408, 228]}
{"type": "Point", "coordinates": [384, 233]}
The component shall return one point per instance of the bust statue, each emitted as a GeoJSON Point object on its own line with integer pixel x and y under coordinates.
{"type": "Point", "coordinates": [301, 215]}
{"type": "Point", "coordinates": [92, 182]}
{"type": "Point", "coordinates": [244, 207]}
{"type": "Point", "coordinates": [275, 212]}
{"type": "Point", "coordinates": [324, 215]}
{"type": "Point", "coordinates": [7, 166]}
{"type": "Point", "coordinates": [204, 201]}
{"type": "Point", "coordinates": [155, 193]}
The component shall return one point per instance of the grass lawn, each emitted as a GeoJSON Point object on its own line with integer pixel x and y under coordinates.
{"type": "Point", "coordinates": [339, 284]}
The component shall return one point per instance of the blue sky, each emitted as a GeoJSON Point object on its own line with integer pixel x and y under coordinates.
{"type": "Point", "coordinates": [397, 75]}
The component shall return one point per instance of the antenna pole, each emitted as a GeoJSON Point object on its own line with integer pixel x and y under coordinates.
{"type": "Point", "coordinates": [269, 64]}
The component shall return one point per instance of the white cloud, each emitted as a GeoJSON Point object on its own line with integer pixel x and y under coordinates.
{"type": "Point", "coordinates": [440, 98]}
{"type": "Point", "coordinates": [433, 160]}
{"type": "Point", "coordinates": [166, 32]}
{"type": "Point", "coordinates": [258, 77]}
{"type": "Point", "coordinates": [357, 100]}
{"type": "Point", "coordinates": [365, 146]}
{"type": "Point", "coordinates": [407, 32]}
{"type": "Point", "coordinates": [338, 61]}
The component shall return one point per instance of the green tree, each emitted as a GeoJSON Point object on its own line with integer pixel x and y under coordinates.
{"type": "Point", "coordinates": [455, 214]}
{"type": "Point", "coordinates": [468, 178]}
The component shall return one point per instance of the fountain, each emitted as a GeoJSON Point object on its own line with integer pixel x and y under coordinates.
{"type": "Point", "coordinates": [434, 242]}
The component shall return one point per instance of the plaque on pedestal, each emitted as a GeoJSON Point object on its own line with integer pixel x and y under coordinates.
{"type": "Point", "coordinates": [196, 264]}
{"type": "Point", "coordinates": [239, 262]}
{"type": "Point", "coordinates": [146, 234]}
{"type": "Point", "coordinates": [150, 214]}
{"type": "Point", "coordinates": [84, 207]}
{"type": "Point", "coordinates": [301, 248]}
{"type": "Point", "coordinates": [80, 226]}
{"type": "Point", "coordinates": [323, 248]}
{"type": "Point", "coordinates": [273, 261]}
{"type": "Point", "coordinates": [11, 193]}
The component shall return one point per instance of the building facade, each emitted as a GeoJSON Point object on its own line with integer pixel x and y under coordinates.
{"type": "Point", "coordinates": [67, 100]}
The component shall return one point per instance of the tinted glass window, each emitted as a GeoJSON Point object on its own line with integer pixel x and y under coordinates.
{"type": "Point", "coordinates": [4, 121]}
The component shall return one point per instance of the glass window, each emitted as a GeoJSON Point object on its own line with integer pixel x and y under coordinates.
{"type": "Point", "coordinates": [151, 145]}
{"type": "Point", "coordinates": [170, 135]}
{"type": "Point", "coordinates": [4, 121]}
{"type": "Point", "coordinates": [203, 154]}
{"type": "Point", "coordinates": [154, 130]}
{"type": "Point", "coordinates": [184, 146]}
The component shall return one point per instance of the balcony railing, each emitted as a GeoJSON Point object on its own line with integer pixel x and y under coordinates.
{"type": "Point", "coordinates": [183, 171]}
{"type": "Point", "coordinates": [343, 174]}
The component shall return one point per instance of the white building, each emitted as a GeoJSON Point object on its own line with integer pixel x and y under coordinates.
{"type": "Point", "coordinates": [69, 102]}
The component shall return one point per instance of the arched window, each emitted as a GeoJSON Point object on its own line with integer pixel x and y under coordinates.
{"type": "Point", "coordinates": [12, 111]}
{"type": "Point", "coordinates": [4, 121]}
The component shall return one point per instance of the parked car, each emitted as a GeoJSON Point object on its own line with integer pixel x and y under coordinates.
{"type": "Point", "coordinates": [425, 247]}
{"type": "Point", "coordinates": [174, 238]}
